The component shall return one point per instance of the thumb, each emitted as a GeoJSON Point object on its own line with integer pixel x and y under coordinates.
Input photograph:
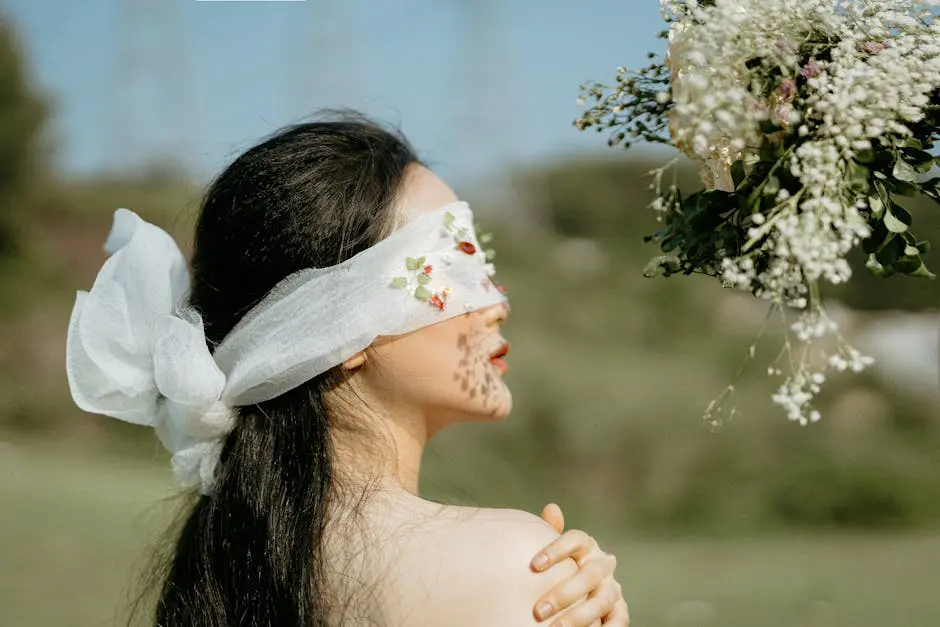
{"type": "Point", "coordinates": [551, 514]}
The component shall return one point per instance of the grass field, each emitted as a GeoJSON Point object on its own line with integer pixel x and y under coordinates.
{"type": "Point", "coordinates": [73, 529]}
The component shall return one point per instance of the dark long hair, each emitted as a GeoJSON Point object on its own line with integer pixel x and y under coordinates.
{"type": "Point", "coordinates": [313, 195]}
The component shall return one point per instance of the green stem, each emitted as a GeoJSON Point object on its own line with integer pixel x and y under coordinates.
{"type": "Point", "coordinates": [776, 213]}
{"type": "Point", "coordinates": [776, 166]}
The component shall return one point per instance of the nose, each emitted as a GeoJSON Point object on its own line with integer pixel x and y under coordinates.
{"type": "Point", "coordinates": [496, 314]}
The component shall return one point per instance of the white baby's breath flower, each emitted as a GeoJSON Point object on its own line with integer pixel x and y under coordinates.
{"type": "Point", "coordinates": [876, 81]}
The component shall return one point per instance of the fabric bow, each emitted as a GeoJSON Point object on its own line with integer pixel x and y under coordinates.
{"type": "Point", "coordinates": [138, 353]}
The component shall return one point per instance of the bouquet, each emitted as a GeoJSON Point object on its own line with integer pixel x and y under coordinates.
{"type": "Point", "coordinates": [811, 120]}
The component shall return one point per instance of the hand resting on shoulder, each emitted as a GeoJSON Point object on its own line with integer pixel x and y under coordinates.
{"type": "Point", "coordinates": [473, 569]}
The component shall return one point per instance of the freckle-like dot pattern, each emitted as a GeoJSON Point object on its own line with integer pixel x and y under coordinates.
{"type": "Point", "coordinates": [475, 371]}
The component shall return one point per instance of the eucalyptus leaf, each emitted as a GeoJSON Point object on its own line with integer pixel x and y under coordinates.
{"type": "Point", "coordinates": [923, 272]}
{"type": "Point", "coordinates": [920, 160]}
{"type": "Point", "coordinates": [857, 176]}
{"type": "Point", "coordinates": [875, 242]}
{"type": "Point", "coordinates": [769, 128]}
{"type": "Point", "coordinates": [912, 265]}
{"type": "Point", "coordinates": [772, 186]}
{"type": "Point", "coordinates": [423, 279]}
{"type": "Point", "coordinates": [893, 224]}
{"type": "Point", "coordinates": [897, 219]}
{"type": "Point", "coordinates": [876, 268]}
{"type": "Point", "coordinates": [877, 206]}
{"type": "Point", "coordinates": [738, 173]}
{"type": "Point", "coordinates": [904, 171]}
{"type": "Point", "coordinates": [663, 265]}
{"type": "Point", "coordinates": [671, 243]}
{"type": "Point", "coordinates": [882, 191]}
{"type": "Point", "coordinates": [890, 251]}
{"type": "Point", "coordinates": [400, 282]}
{"type": "Point", "coordinates": [865, 156]}
{"type": "Point", "coordinates": [870, 245]}
{"type": "Point", "coordinates": [875, 159]}
{"type": "Point", "coordinates": [904, 188]}
{"type": "Point", "coordinates": [411, 263]}
{"type": "Point", "coordinates": [422, 293]}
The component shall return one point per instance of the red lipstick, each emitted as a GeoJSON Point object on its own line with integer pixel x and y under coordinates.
{"type": "Point", "coordinates": [497, 358]}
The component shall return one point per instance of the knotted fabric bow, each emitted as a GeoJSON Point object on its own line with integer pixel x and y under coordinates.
{"type": "Point", "coordinates": [137, 351]}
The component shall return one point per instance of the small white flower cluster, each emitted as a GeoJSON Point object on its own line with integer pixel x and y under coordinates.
{"type": "Point", "coordinates": [871, 85]}
{"type": "Point", "coordinates": [796, 394]}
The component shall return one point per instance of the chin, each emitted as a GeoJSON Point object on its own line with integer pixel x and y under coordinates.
{"type": "Point", "coordinates": [494, 408]}
{"type": "Point", "coordinates": [501, 408]}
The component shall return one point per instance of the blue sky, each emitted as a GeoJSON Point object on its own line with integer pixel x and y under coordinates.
{"type": "Point", "coordinates": [202, 80]}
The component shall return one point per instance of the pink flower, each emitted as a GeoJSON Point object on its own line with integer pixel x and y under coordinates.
{"type": "Point", "coordinates": [811, 69]}
{"type": "Point", "coordinates": [788, 88]}
{"type": "Point", "coordinates": [873, 47]}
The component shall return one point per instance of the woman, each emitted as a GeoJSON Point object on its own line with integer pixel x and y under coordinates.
{"type": "Point", "coordinates": [339, 287]}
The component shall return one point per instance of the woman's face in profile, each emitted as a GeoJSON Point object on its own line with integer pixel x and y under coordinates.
{"type": "Point", "coordinates": [451, 371]}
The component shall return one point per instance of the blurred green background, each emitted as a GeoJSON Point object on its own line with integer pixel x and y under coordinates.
{"type": "Point", "coordinates": [760, 522]}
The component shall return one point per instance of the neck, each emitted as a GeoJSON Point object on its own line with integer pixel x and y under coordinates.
{"type": "Point", "coordinates": [384, 446]}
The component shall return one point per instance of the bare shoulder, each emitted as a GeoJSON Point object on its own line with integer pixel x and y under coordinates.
{"type": "Point", "coordinates": [475, 568]}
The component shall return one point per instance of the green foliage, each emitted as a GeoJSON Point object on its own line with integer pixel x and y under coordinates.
{"type": "Point", "coordinates": [600, 198]}
{"type": "Point", "coordinates": [884, 173]}
{"type": "Point", "coordinates": [22, 116]}
{"type": "Point", "coordinates": [608, 199]}
{"type": "Point", "coordinates": [868, 291]}
{"type": "Point", "coordinates": [701, 229]}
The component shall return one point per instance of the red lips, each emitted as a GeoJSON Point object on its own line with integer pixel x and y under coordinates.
{"type": "Point", "coordinates": [497, 357]}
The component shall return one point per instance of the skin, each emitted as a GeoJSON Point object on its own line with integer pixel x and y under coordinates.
{"type": "Point", "coordinates": [428, 564]}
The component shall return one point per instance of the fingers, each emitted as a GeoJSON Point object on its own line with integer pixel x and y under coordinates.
{"type": "Point", "coordinates": [620, 617]}
{"type": "Point", "coordinates": [573, 543]}
{"type": "Point", "coordinates": [594, 609]}
{"type": "Point", "coordinates": [551, 513]}
{"type": "Point", "coordinates": [589, 580]}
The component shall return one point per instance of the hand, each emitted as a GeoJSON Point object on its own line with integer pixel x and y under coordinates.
{"type": "Point", "coordinates": [594, 583]}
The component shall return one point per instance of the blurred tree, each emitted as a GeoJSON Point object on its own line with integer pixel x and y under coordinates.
{"type": "Point", "coordinates": [22, 116]}
{"type": "Point", "coordinates": [599, 199]}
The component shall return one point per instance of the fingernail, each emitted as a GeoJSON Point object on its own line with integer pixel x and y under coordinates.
{"type": "Point", "coordinates": [544, 610]}
{"type": "Point", "coordinates": [540, 561]}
